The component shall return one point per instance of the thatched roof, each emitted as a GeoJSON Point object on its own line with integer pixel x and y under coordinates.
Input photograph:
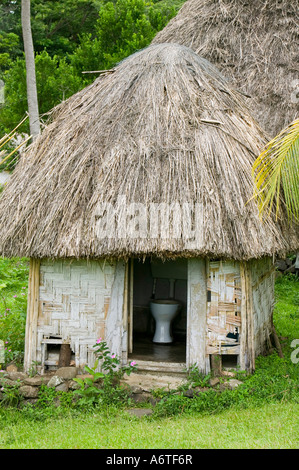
{"type": "Point", "coordinates": [253, 43]}
{"type": "Point", "coordinates": [164, 128]}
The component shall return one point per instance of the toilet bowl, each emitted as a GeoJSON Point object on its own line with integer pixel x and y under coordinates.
{"type": "Point", "coordinates": [164, 312]}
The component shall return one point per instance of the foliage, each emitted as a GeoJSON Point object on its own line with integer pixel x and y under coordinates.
{"type": "Point", "coordinates": [68, 40]}
{"type": "Point", "coordinates": [108, 391]}
{"type": "Point", "coordinates": [275, 380]}
{"type": "Point", "coordinates": [56, 25]}
{"type": "Point", "coordinates": [277, 172]}
{"type": "Point", "coordinates": [13, 306]}
{"type": "Point", "coordinates": [56, 81]}
{"type": "Point", "coordinates": [9, 391]}
{"type": "Point", "coordinates": [123, 27]}
{"type": "Point", "coordinates": [196, 378]}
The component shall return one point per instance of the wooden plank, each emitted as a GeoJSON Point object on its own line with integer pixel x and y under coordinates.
{"type": "Point", "coordinates": [114, 322]}
{"type": "Point", "coordinates": [32, 314]}
{"type": "Point", "coordinates": [196, 314]}
{"type": "Point", "coordinates": [247, 353]}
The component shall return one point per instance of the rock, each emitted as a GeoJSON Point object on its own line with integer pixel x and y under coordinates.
{"type": "Point", "coordinates": [66, 373]}
{"type": "Point", "coordinates": [214, 381]}
{"type": "Point", "coordinates": [134, 388]}
{"type": "Point", "coordinates": [139, 412]}
{"type": "Point", "coordinates": [55, 381]}
{"type": "Point", "coordinates": [189, 393]}
{"type": "Point", "coordinates": [36, 381]}
{"type": "Point", "coordinates": [143, 398]}
{"type": "Point", "coordinates": [17, 376]}
{"type": "Point", "coordinates": [28, 391]}
{"type": "Point", "coordinates": [231, 384]}
{"type": "Point", "coordinates": [195, 392]}
{"type": "Point", "coordinates": [12, 368]}
{"type": "Point", "coordinates": [32, 401]}
{"type": "Point", "coordinates": [62, 387]}
{"type": "Point", "coordinates": [5, 382]}
{"type": "Point", "coordinates": [73, 385]}
{"type": "Point", "coordinates": [228, 373]}
{"type": "Point", "coordinates": [234, 383]}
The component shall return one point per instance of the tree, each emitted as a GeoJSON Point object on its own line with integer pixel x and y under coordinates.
{"type": "Point", "coordinates": [70, 38]}
{"type": "Point", "coordinates": [122, 28]}
{"type": "Point", "coordinates": [30, 70]}
{"type": "Point", "coordinates": [276, 173]}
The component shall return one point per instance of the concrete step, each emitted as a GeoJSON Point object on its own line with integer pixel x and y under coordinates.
{"type": "Point", "coordinates": [147, 382]}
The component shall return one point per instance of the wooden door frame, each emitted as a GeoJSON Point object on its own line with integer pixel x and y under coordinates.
{"type": "Point", "coordinates": [196, 312]}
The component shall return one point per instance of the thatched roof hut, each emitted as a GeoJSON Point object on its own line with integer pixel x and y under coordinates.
{"type": "Point", "coordinates": [165, 127]}
{"type": "Point", "coordinates": [255, 44]}
{"type": "Point", "coordinates": [153, 160]}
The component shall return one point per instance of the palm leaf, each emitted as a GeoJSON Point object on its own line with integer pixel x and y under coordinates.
{"type": "Point", "coordinates": [276, 173]}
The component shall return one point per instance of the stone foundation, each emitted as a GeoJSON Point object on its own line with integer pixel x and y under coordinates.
{"type": "Point", "coordinates": [139, 386]}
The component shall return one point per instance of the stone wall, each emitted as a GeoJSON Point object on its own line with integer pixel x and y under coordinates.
{"type": "Point", "coordinates": [139, 386]}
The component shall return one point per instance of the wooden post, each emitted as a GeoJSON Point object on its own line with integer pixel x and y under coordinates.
{"type": "Point", "coordinates": [32, 314]}
{"type": "Point", "coordinates": [216, 365]}
{"type": "Point", "coordinates": [114, 322]}
{"type": "Point", "coordinates": [196, 314]}
{"type": "Point", "coordinates": [64, 355]}
{"type": "Point", "coordinates": [247, 352]}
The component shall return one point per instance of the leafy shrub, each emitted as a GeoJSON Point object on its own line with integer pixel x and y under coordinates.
{"type": "Point", "coordinates": [13, 306]}
{"type": "Point", "coordinates": [103, 388]}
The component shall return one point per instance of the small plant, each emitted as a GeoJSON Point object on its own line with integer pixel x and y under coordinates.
{"type": "Point", "coordinates": [10, 393]}
{"type": "Point", "coordinates": [103, 387]}
{"type": "Point", "coordinates": [110, 363]}
{"type": "Point", "coordinates": [197, 379]}
{"type": "Point", "coordinates": [33, 369]}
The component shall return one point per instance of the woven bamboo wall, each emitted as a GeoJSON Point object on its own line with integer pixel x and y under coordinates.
{"type": "Point", "coordinates": [74, 299]}
{"type": "Point", "coordinates": [223, 307]}
{"type": "Point", "coordinates": [263, 278]}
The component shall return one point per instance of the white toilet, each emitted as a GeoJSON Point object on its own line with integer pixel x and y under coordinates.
{"type": "Point", "coordinates": [164, 311]}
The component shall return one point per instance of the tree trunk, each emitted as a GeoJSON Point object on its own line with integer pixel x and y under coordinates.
{"type": "Point", "coordinates": [30, 70]}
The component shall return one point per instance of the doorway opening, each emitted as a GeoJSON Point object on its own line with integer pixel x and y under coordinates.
{"type": "Point", "coordinates": [150, 284]}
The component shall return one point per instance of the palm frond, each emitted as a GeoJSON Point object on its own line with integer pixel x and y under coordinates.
{"type": "Point", "coordinates": [276, 173]}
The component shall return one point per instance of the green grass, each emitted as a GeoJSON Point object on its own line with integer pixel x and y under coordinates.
{"type": "Point", "coordinates": [268, 427]}
{"type": "Point", "coordinates": [286, 311]}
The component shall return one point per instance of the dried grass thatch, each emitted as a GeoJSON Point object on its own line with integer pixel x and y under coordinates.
{"type": "Point", "coordinates": [164, 128]}
{"type": "Point", "coordinates": [254, 44]}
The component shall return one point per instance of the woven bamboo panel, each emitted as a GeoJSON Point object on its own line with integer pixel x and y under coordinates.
{"type": "Point", "coordinates": [223, 308]}
{"type": "Point", "coordinates": [74, 301]}
{"type": "Point", "coordinates": [263, 277]}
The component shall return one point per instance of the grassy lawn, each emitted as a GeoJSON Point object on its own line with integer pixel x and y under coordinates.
{"type": "Point", "coordinates": [261, 414]}
{"type": "Point", "coordinates": [274, 426]}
